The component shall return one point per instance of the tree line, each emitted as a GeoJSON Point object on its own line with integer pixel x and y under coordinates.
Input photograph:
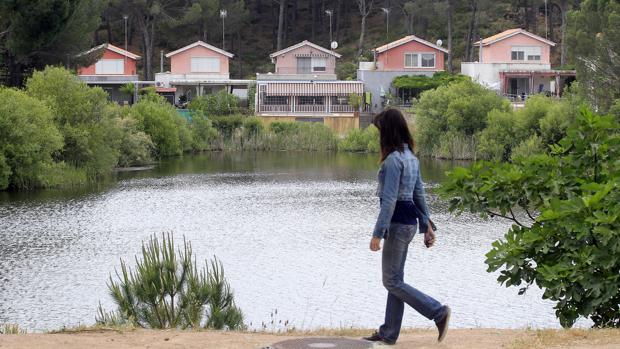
{"type": "Point", "coordinates": [53, 32]}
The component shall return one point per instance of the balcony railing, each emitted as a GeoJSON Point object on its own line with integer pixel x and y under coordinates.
{"type": "Point", "coordinates": [311, 108]}
{"type": "Point", "coordinates": [342, 108]}
{"type": "Point", "coordinates": [275, 108]}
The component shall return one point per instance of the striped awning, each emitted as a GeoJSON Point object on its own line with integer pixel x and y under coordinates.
{"type": "Point", "coordinates": [313, 88]}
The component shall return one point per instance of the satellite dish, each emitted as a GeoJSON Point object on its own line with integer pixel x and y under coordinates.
{"type": "Point", "coordinates": [334, 45]}
{"type": "Point", "coordinates": [439, 42]}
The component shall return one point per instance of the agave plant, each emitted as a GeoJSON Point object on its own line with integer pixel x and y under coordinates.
{"type": "Point", "coordinates": [167, 290]}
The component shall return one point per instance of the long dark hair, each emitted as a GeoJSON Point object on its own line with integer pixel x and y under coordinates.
{"type": "Point", "coordinates": [393, 131]}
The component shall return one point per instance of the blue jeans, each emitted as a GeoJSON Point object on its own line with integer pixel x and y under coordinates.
{"type": "Point", "coordinates": [393, 264]}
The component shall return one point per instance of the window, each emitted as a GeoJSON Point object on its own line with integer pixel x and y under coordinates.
{"type": "Point", "coordinates": [275, 100]}
{"type": "Point", "coordinates": [428, 60]}
{"type": "Point", "coordinates": [110, 66]}
{"type": "Point", "coordinates": [415, 60]}
{"type": "Point", "coordinates": [311, 100]}
{"type": "Point", "coordinates": [205, 65]}
{"type": "Point", "coordinates": [411, 60]}
{"type": "Point", "coordinates": [319, 64]}
{"type": "Point", "coordinates": [304, 65]}
{"type": "Point", "coordinates": [340, 100]}
{"type": "Point", "coordinates": [307, 65]}
{"type": "Point", "coordinates": [517, 55]}
{"type": "Point", "coordinates": [520, 53]}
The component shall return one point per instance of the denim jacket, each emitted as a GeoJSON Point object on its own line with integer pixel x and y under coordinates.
{"type": "Point", "coordinates": [400, 180]}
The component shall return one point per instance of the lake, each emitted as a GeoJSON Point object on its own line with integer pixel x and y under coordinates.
{"type": "Point", "coordinates": [292, 230]}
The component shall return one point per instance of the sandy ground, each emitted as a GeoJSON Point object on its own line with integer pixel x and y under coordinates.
{"type": "Point", "coordinates": [462, 338]}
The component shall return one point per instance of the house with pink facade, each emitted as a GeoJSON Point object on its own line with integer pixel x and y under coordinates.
{"type": "Point", "coordinates": [304, 87]}
{"type": "Point", "coordinates": [199, 69]}
{"type": "Point", "coordinates": [516, 63]}
{"type": "Point", "coordinates": [113, 68]}
{"type": "Point", "coordinates": [409, 55]}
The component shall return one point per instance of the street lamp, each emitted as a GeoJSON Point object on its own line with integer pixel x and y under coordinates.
{"type": "Point", "coordinates": [223, 15]}
{"type": "Point", "coordinates": [330, 13]}
{"type": "Point", "coordinates": [387, 21]}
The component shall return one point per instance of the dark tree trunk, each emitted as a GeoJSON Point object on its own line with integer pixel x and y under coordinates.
{"type": "Point", "coordinates": [473, 6]}
{"type": "Point", "coordinates": [339, 10]}
{"type": "Point", "coordinates": [564, 9]}
{"type": "Point", "coordinates": [313, 10]}
{"type": "Point", "coordinates": [450, 11]}
{"type": "Point", "coordinates": [281, 25]}
{"type": "Point", "coordinates": [360, 48]}
{"type": "Point", "coordinates": [147, 27]}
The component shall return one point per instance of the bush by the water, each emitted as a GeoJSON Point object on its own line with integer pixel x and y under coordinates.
{"type": "Point", "coordinates": [168, 290]}
{"type": "Point", "coordinates": [454, 113]}
{"type": "Point", "coordinates": [220, 103]}
{"type": "Point", "coordinates": [417, 84]}
{"type": "Point", "coordinates": [466, 121]}
{"type": "Point", "coordinates": [165, 126]}
{"type": "Point", "coordinates": [29, 140]}
{"type": "Point", "coordinates": [565, 207]}
{"type": "Point", "coordinates": [84, 116]}
{"type": "Point", "coordinates": [366, 140]}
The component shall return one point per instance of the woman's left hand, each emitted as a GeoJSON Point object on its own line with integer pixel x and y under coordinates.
{"type": "Point", "coordinates": [375, 244]}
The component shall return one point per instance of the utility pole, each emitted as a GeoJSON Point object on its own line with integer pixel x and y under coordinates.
{"type": "Point", "coordinates": [330, 13]}
{"type": "Point", "coordinates": [223, 14]}
{"type": "Point", "coordinates": [387, 21]}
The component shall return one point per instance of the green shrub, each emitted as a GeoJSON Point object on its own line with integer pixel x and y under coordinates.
{"type": "Point", "coordinates": [226, 125]}
{"type": "Point", "coordinates": [355, 101]}
{"type": "Point", "coordinates": [615, 110]}
{"type": "Point", "coordinates": [220, 103]}
{"type": "Point", "coordinates": [203, 133]}
{"type": "Point", "coordinates": [420, 83]}
{"type": "Point", "coordinates": [498, 138]}
{"type": "Point", "coordinates": [529, 117]}
{"type": "Point", "coordinates": [564, 207]}
{"type": "Point", "coordinates": [163, 124]}
{"type": "Point", "coordinates": [455, 146]}
{"type": "Point", "coordinates": [252, 127]}
{"type": "Point", "coordinates": [167, 290]}
{"type": "Point", "coordinates": [28, 140]}
{"type": "Point", "coordinates": [137, 147]}
{"type": "Point", "coordinates": [308, 136]}
{"type": "Point", "coordinates": [251, 98]}
{"type": "Point", "coordinates": [83, 115]}
{"type": "Point", "coordinates": [529, 147]}
{"type": "Point", "coordinates": [284, 127]}
{"type": "Point", "coordinates": [366, 140]}
{"type": "Point", "coordinates": [346, 70]}
{"type": "Point", "coordinates": [459, 109]}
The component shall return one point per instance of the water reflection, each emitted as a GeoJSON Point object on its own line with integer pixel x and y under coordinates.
{"type": "Point", "coordinates": [291, 229]}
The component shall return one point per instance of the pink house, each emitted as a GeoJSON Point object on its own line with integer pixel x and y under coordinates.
{"type": "Point", "coordinates": [304, 87]}
{"type": "Point", "coordinates": [199, 69]}
{"type": "Point", "coordinates": [305, 58]}
{"type": "Point", "coordinates": [114, 68]}
{"type": "Point", "coordinates": [516, 63]}
{"type": "Point", "coordinates": [409, 55]}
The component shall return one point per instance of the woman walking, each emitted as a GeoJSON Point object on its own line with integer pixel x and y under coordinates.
{"type": "Point", "coordinates": [401, 194]}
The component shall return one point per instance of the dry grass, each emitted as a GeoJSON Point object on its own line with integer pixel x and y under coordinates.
{"type": "Point", "coordinates": [539, 339]}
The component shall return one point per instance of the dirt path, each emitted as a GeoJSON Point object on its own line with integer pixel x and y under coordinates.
{"type": "Point", "coordinates": [464, 338]}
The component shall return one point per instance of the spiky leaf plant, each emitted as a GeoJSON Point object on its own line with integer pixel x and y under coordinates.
{"type": "Point", "coordinates": [167, 290]}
